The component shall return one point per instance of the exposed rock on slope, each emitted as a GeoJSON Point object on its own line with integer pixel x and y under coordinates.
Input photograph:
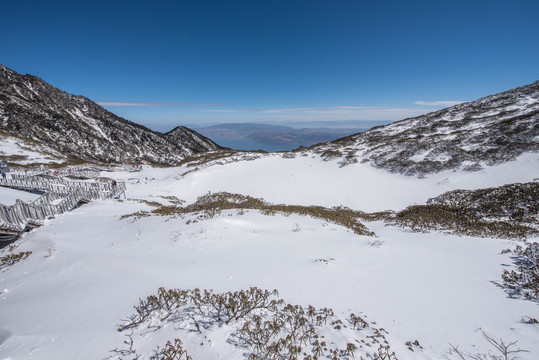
{"type": "Point", "coordinates": [182, 135]}
{"type": "Point", "coordinates": [77, 126]}
{"type": "Point", "coordinates": [489, 131]}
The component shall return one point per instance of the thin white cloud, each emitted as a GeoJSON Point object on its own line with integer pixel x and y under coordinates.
{"type": "Point", "coordinates": [218, 113]}
{"type": "Point", "coordinates": [225, 110]}
{"type": "Point", "coordinates": [444, 103]}
{"type": "Point", "coordinates": [330, 113]}
{"type": "Point", "coordinates": [320, 109]}
{"type": "Point", "coordinates": [300, 110]}
{"type": "Point", "coordinates": [152, 104]}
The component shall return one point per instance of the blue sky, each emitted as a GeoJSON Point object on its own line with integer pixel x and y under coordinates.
{"type": "Point", "coordinates": [167, 63]}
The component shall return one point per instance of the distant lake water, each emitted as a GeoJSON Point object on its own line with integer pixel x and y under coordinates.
{"type": "Point", "coordinates": [271, 138]}
{"type": "Point", "coordinates": [248, 144]}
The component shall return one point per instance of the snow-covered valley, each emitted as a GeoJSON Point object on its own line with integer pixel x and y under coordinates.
{"type": "Point", "coordinates": [88, 268]}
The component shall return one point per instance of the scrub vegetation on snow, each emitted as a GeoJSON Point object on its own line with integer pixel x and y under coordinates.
{"type": "Point", "coordinates": [524, 280]}
{"type": "Point", "coordinates": [509, 211]}
{"type": "Point", "coordinates": [259, 325]}
{"type": "Point", "coordinates": [12, 258]}
{"type": "Point", "coordinates": [213, 204]}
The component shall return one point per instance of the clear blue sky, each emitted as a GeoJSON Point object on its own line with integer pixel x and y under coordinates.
{"type": "Point", "coordinates": [165, 63]}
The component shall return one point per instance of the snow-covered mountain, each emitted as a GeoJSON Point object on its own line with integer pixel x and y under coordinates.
{"type": "Point", "coordinates": [368, 263]}
{"type": "Point", "coordinates": [183, 135]}
{"type": "Point", "coordinates": [488, 131]}
{"type": "Point", "coordinates": [78, 127]}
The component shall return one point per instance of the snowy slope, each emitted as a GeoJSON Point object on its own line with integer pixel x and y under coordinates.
{"type": "Point", "coordinates": [9, 196]}
{"type": "Point", "coordinates": [23, 151]}
{"type": "Point", "coordinates": [491, 130]}
{"type": "Point", "coordinates": [310, 180]}
{"type": "Point", "coordinates": [89, 267]}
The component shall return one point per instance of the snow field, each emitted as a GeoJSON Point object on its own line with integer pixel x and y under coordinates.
{"type": "Point", "coordinates": [9, 196]}
{"type": "Point", "coordinates": [28, 152]}
{"type": "Point", "coordinates": [310, 181]}
{"type": "Point", "coordinates": [434, 288]}
{"type": "Point", "coordinates": [89, 267]}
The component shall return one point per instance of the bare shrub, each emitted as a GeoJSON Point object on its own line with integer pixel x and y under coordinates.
{"type": "Point", "coordinates": [11, 259]}
{"type": "Point", "coordinates": [525, 280]}
{"type": "Point", "coordinates": [357, 322]}
{"type": "Point", "coordinates": [504, 350]}
{"type": "Point", "coordinates": [172, 351]}
{"type": "Point", "coordinates": [260, 323]}
{"type": "Point", "coordinates": [130, 351]}
{"type": "Point", "coordinates": [384, 353]}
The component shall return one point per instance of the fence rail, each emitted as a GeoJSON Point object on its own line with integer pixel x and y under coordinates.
{"type": "Point", "coordinates": [74, 171]}
{"type": "Point", "coordinates": [61, 185]}
{"type": "Point", "coordinates": [60, 196]}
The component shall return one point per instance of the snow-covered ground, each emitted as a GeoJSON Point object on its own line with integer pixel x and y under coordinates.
{"type": "Point", "coordinates": [27, 152]}
{"type": "Point", "coordinates": [89, 267]}
{"type": "Point", "coordinates": [10, 196]}
{"type": "Point", "coordinates": [310, 181]}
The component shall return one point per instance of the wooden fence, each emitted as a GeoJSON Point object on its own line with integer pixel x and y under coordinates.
{"type": "Point", "coordinates": [79, 171]}
{"type": "Point", "coordinates": [60, 196]}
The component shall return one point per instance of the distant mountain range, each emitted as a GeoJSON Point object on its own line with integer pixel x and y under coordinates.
{"type": "Point", "coordinates": [78, 127]}
{"type": "Point", "coordinates": [249, 136]}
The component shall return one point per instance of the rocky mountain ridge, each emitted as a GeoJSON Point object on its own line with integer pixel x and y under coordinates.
{"type": "Point", "coordinates": [485, 132]}
{"type": "Point", "coordinates": [76, 126]}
